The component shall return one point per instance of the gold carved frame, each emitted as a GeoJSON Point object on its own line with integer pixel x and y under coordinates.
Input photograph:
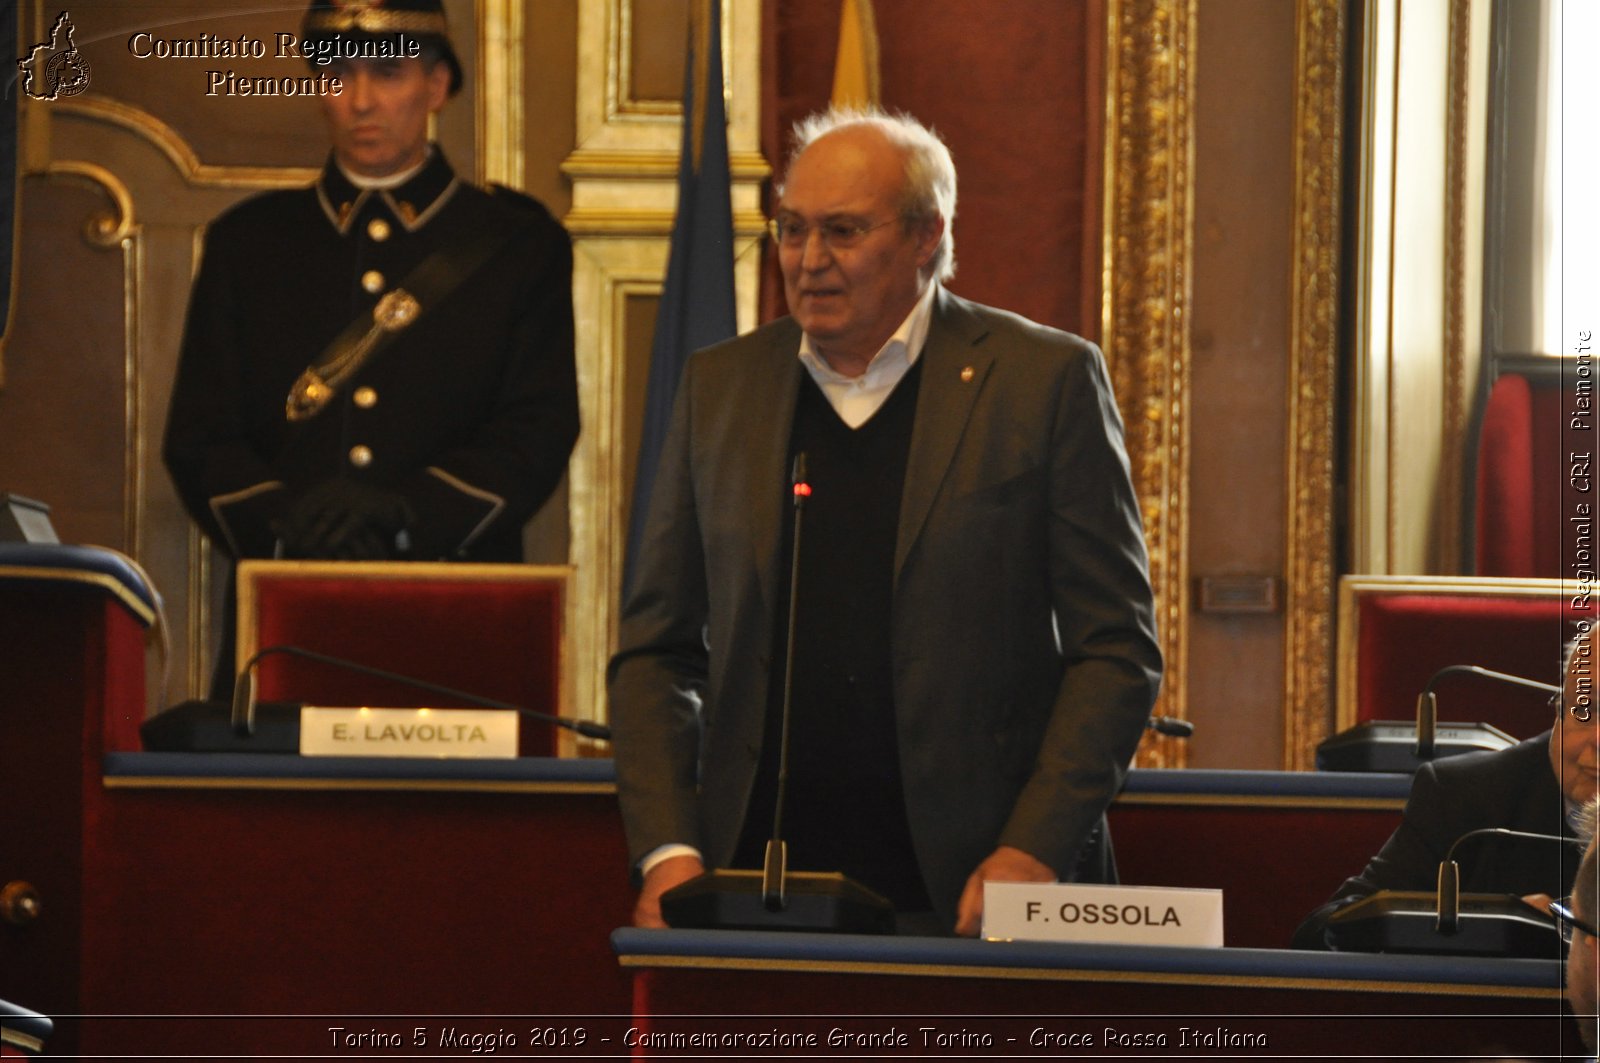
{"type": "Point", "coordinates": [1313, 364]}
{"type": "Point", "coordinates": [1148, 220]}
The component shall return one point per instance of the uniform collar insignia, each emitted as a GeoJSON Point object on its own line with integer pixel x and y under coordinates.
{"type": "Point", "coordinates": [413, 203]}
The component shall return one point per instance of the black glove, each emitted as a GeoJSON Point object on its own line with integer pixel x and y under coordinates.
{"type": "Point", "coordinates": [345, 520]}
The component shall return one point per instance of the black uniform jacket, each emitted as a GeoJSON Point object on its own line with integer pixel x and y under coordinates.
{"type": "Point", "coordinates": [471, 412]}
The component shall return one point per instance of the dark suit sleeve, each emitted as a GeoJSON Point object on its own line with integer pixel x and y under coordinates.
{"type": "Point", "coordinates": [1409, 860]}
{"type": "Point", "coordinates": [226, 485]}
{"type": "Point", "coordinates": [1105, 617]}
{"type": "Point", "coordinates": [657, 679]}
{"type": "Point", "coordinates": [514, 459]}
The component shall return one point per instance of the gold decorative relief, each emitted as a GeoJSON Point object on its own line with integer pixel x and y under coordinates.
{"type": "Point", "coordinates": [1465, 153]}
{"type": "Point", "coordinates": [1313, 359]}
{"type": "Point", "coordinates": [1145, 309]}
{"type": "Point", "coordinates": [624, 190]}
{"type": "Point", "coordinates": [106, 228]}
{"type": "Point", "coordinates": [148, 127]}
{"type": "Point", "coordinates": [118, 229]}
{"type": "Point", "coordinates": [501, 88]}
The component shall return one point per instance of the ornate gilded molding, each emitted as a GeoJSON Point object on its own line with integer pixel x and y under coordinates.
{"type": "Point", "coordinates": [1148, 218]}
{"type": "Point", "coordinates": [1466, 150]}
{"type": "Point", "coordinates": [104, 228]}
{"type": "Point", "coordinates": [623, 170]}
{"type": "Point", "coordinates": [743, 165]}
{"type": "Point", "coordinates": [501, 88]}
{"type": "Point", "coordinates": [1313, 360]}
{"type": "Point", "coordinates": [621, 100]}
{"type": "Point", "coordinates": [119, 229]}
{"type": "Point", "coordinates": [142, 123]}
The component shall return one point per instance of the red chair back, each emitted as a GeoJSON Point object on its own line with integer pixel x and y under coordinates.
{"type": "Point", "coordinates": [495, 631]}
{"type": "Point", "coordinates": [1397, 631]}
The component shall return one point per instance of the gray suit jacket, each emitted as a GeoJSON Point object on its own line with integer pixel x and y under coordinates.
{"type": "Point", "coordinates": [1024, 652]}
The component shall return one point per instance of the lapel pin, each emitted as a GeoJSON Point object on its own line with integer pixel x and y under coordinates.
{"type": "Point", "coordinates": [967, 374]}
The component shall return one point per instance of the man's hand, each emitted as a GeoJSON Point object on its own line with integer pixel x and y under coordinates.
{"type": "Point", "coordinates": [1005, 864]}
{"type": "Point", "coordinates": [345, 520]}
{"type": "Point", "coordinates": [673, 871]}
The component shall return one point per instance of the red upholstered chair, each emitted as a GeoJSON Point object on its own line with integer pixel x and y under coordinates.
{"type": "Point", "coordinates": [496, 631]}
{"type": "Point", "coordinates": [1395, 632]}
{"type": "Point", "coordinates": [1524, 486]}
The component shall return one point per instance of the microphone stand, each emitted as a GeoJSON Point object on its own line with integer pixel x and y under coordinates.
{"type": "Point", "coordinates": [1448, 906]}
{"type": "Point", "coordinates": [1446, 921]}
{"type": "Point", "coordinates": [773, 898]}
{"type": "Point", "coordinates": [1428, 701]}
{"type": "Point", "coordinates": [775, 866]}
{"type": "Point", "coordinates": [244, 692]}
{"type": "Point", "coordinates": [1399, 746]}
{"type": "Point", "coordinates": [211, 727]}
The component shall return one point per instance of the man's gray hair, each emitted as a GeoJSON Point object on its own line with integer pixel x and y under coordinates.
{"type": "Point", "coordinates": [930, 189]}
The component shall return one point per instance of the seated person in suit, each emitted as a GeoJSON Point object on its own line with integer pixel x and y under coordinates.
{"type": "Point", "coordinates": [1539, 786]}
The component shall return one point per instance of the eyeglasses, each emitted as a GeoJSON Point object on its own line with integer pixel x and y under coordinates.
{"type": "Point", "coordinates": [1567, 922]}
{"type": "Point", "coordinates": [1582, 713]}
{"type": "Point", "coordinates": [838, 234]}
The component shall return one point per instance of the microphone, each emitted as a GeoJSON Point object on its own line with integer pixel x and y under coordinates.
{"type": "Point", "coordinates": [1170, 726]}
{"type": "Point", "coordinates": [1449, 892]}
{"type": "Point", "coordinates": [244, 693]}
{"type": "Point", "coordinates": [732, 899]}
{"type": "Point", "coordinates": [775, 866]}
{"type": "Point", "coordinates": [249, 726]}
{"type": "Point", "coordinates": [1428, 701]}
{"type": "Point", "coordinates": [1447, 921]}
{"type": "Point", "coordinates": [1398, 746]}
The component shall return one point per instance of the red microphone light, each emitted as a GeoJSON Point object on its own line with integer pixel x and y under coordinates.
{"type": "Point", "coordinates": [802, 489]}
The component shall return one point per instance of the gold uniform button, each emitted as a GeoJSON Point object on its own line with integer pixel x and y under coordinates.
{"type": "Point", "coordinates": [360, 456]}
{"type": "Point", "coordinates": [378, 229]}
{"type": "Point", "coordinates": [365, 397]}
{"type": "Point", "coordinates": [967, 374]}
{"type": "Point", "coordinates": [372, 281]}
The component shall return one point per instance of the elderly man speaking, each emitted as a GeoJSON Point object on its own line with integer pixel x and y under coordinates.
{"type": "Point", "coordinates": [974, 645]}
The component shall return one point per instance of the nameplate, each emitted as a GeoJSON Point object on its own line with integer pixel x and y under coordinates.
{"type": "Point", "coordinates": [435, 733]}
{"type": "Point", "coordinates": [1110, 915]}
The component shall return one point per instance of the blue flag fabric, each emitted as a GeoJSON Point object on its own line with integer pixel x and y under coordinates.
{"type": "Point", "coordinates": [697, 306]}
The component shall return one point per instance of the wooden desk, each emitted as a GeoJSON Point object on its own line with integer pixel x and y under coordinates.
{"type": "Point", "coordinates": [270, 885]}
{"type": "Point", "coordinates": [1021, 999]}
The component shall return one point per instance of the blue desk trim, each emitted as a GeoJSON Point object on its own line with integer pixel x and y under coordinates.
{"type": "Point", "coordinates": [1145, 785]}
{"type": "Point", "coordinates": [1270, 785]}
{"type": "Point", "coordinates": [287, 771]}
{"type": "Point", "coordinates": [83, 565]}
{"type": "Point", "coordinates": [951, 957]}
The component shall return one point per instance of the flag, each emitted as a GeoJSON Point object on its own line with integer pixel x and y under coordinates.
{"type": "Point", "coordinates": [855, 67]}
{"type": "Point", "coordinates": [697, 306]}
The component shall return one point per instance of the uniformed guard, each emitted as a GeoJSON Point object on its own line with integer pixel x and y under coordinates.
{"type": "Point", "coordinates": [379, 366]}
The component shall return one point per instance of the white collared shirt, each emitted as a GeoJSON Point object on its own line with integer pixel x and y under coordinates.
{"type": "Point", "coordinates": [394, 180]}
{"type": "Point", "coordinates": [856, 399]}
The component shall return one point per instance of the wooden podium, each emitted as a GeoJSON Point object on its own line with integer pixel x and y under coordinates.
{"type": "Point", "coordinates": [73, 621]}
